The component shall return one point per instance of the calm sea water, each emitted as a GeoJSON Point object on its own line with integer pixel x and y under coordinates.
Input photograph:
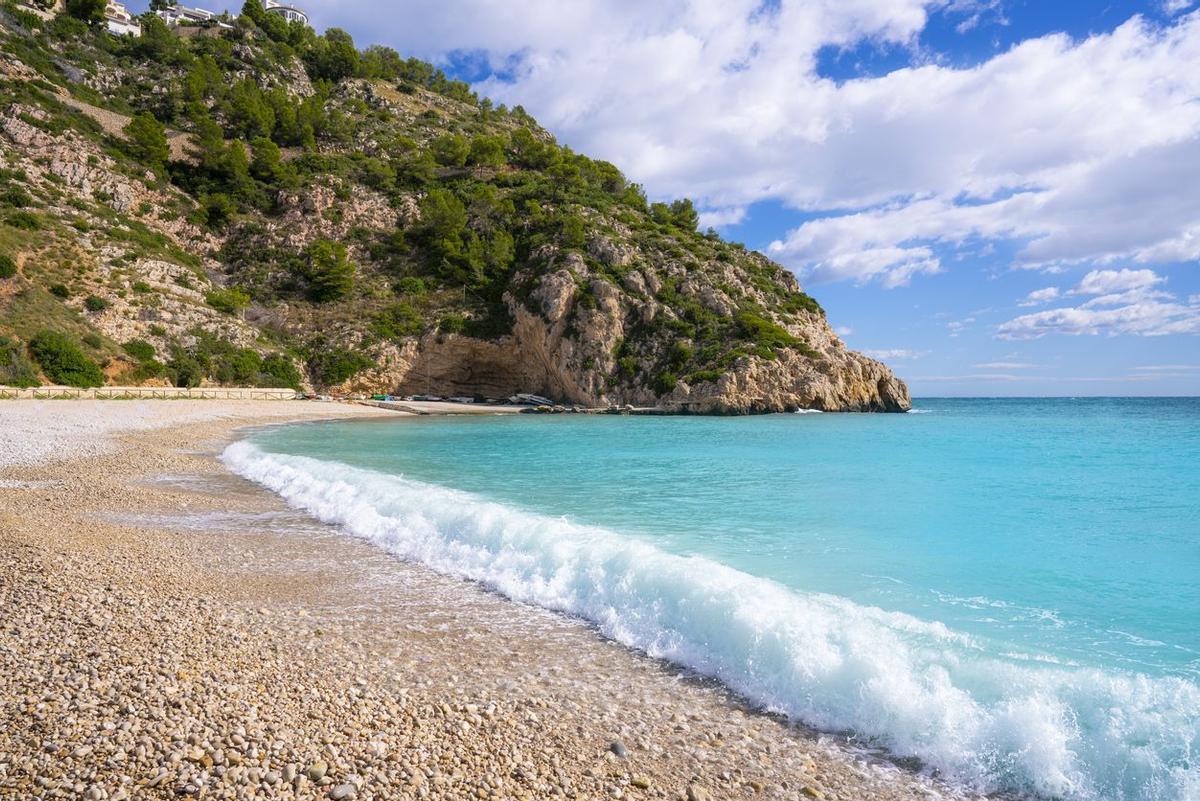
{"type": "Point", "coordinates": [1008, 590]}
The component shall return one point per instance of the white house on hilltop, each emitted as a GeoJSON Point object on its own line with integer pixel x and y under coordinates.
{"type": "Point", "coordinates": [119, 21]}
{"type": "Point", "coordinates": [174, 16]}
{"type": "Point", "coordinates": [288, 12]}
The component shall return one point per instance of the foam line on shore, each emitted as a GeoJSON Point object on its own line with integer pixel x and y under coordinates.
{"type": "Point", "coordinates": [915, 687]}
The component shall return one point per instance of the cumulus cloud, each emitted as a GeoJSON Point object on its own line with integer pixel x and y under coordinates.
{"type": "Point", "coordinates": [1146, 318]}
{"type": "Point", "coordinates": [1119, 302]}
{"type": "Point", "coordinates": [1076, 151]}
{"type": "Point", "coordinates": [716, 218]}
{"type": "Point", "coordinates": [1110, 282]}
{"type": "Point", "coordinates": [1039, 296]}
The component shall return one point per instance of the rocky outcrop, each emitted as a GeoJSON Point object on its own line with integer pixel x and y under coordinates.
{"type": "Point", "coordinates": [566, 353]}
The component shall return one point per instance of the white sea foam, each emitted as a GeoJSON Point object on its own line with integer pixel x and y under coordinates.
{"type": "Point", "coordinates": [915, 687]}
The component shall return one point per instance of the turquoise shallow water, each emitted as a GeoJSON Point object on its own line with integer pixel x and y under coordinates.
{"type": "Point", "coordinates": [1007, 589]}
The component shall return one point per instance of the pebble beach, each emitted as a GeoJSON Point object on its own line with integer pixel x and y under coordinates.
{"type": "Point", "coordinates": [170, 630]}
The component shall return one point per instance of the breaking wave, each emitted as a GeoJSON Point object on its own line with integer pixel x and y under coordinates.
{"type": "Point", "coordinates": [914, 687]}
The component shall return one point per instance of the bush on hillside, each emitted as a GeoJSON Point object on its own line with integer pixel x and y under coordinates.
{"type": "Point", "coordinates": [140, 349]}
{"type": "Point", "coordinates": [146, 141]}
{"type": "Point", "coordinates": [279, 371]}
{"type": "Point", "coordinates": [16, 369]}
{"type": "Point", "coordinates": [63, 362]}
{"type": "Point", "coordinates": [8, 267]}
{"type": "Point", "coordinates": [25, 220]}
{"type": "Point", "coordinates": [227, 301]}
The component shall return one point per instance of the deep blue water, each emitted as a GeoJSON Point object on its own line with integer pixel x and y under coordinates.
{"type": "Point", "coordinates": [1007, 589]}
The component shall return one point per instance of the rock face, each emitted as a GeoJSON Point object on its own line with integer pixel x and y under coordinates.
{"type": "Point", "coordinates": [547, 355]}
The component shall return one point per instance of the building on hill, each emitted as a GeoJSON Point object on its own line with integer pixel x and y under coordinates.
{"type": "Point", "coordinates": [46, 9]}
{"type": "Point", "coordinates": [119, 21]}
{"type": "Point", "coordinates": [288, 12]}
{"type": "Point", "coordinates": [182, 16]}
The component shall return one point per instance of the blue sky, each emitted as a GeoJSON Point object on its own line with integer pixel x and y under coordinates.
{"type": "Point", "coordinates": [997, 197]}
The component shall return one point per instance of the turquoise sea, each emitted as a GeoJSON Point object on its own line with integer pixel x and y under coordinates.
{"type": "Point", "coordinates": [1006, 589]}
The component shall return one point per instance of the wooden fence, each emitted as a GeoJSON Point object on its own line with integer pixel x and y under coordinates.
{"type": "Point", "coordinates": [147, 393]}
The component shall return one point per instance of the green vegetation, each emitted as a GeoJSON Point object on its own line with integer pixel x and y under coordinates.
{"type": "Point", "coordinates": [390, 202]}
{"type": "Point", "coordinates": [147, 141]}
{"type": "Point", "coordinates": [16, 368]}
{"type": "Point", "coordinates": [228, 301]}
{"type": "Point", "coordinates": [63, 362]}
{"type": "Point", "coordinates": [330, 273]}
{"type": "Point", "coordinates": [140, 349]}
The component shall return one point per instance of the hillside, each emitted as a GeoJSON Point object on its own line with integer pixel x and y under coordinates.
{"type": "Point", "coordinates": [265, 205]}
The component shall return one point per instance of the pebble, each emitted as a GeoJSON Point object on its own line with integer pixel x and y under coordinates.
{"type": "Point", "coordinates": [139, 666]}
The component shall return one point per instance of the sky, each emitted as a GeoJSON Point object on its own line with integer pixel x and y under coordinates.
{"type": "Point", "coordinates": [996, 197]}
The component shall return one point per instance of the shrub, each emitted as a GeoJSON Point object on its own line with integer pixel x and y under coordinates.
{"type": "Point", "coordinates": [60, 291]}
{"type": "Point", "coordinates": [8, 267]}
{"type": "Point", "coordinates": [398, 320]}
{"type": "Point", "coordinates": [330, 273]}
{"type": "Point", "coordinates": [332, 365]}
{"type": "Point", "coordinates": [763, 332]}
{"type": "Point", "coordinates": [227, 301]}
{"type": "Point", "coordinates": [93, 340]}
{"type": "Point", "coordinates": [63, 362]}
{"type": "Point", "coordinates": [216, 210]}
{"type": "Point", "coordinates": [147, 141]}
{"type": "Point", "coordinates": [16, 369]}
{"type": "Point", "coordinates": [186, 370]}
{"type": "Point", "coordinates": [94, 303]}
{"type": "Point", "coordinates": [452, 324]}
{"type": "Point", "coordinates": [16, 196]}
{"type": "Point", "coordinates": [90, 12]}
{"type": "Point", "coordinates": [410, 286]}
{"type": "Point", "coordinates": [665, 382]}
{"type": "Point", "coordinates": [141, 286]}
{"type": "Point", "coordinates": [279, 371]}
{"type": "Point", "coordinates": [701, 376]}
{"type": "Point", "coordinates": [451, 150]}
{"type": "Point", "coordinates": [140, 349]}
{"type": "Point", "coordinates": [681, 354]}
{"type": "Point", "coordinates": [25, 220]}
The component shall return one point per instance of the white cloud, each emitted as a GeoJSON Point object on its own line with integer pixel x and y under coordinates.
{"type": "Point", "coordinates": [843, 330]}
{"type": "Point", "coordinates": [895, 354]}
{"type": "Point", "coordinates": [956, 327]}
{"type": "Point", "coordinates": [1111, 282]}
{"type": "Point", "coordinates": [1075, 151]}
{"type": "Point", "coordinates": [1173, 7]}
{"type": "Point", "coordinates": [1167, 368]}
{"type": "Point", "coordinates": [1039, 296]}
{"type": "Point", "coordinates": [1143, 318]}
{"type": "Point", "coordinates": [717, 218]}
